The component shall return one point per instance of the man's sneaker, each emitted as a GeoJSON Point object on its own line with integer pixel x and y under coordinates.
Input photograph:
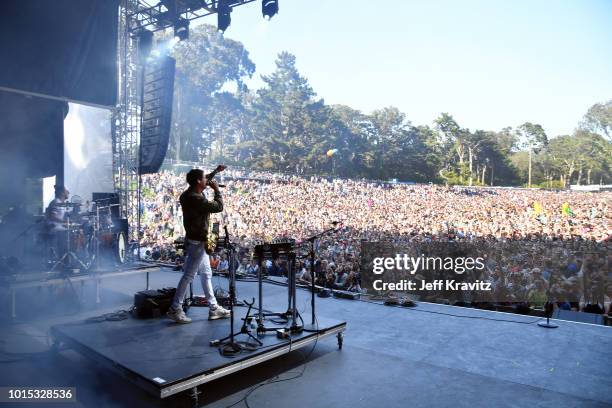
{"type": "Point", "coordinates": [178, 316]}
{"type": "Point", "coordinates": [218, 313]}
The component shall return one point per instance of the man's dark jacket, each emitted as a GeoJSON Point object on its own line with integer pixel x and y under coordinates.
{"type": "Point", "coordinates": [196, 213]}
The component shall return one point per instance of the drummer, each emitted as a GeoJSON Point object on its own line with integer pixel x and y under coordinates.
{"type": "Point", "coordinates": [56, 211]}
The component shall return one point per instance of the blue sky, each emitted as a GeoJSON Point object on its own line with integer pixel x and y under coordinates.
{"type": "Point", "coordinates": [490, 63]}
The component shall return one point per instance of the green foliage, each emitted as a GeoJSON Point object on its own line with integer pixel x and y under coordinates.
{"type": "Point", "coordinates": [205, 65]}
{"type": "Point", "coordinates": [284, 126]}
{"type": "Point", "coordinates": [598, 119]}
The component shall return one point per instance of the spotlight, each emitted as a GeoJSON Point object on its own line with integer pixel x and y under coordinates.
{"type": "Point", "coordinates": [269, 8]}
{"type": "Point", "coordinates": [224, 18]}
{"type": "Point", "coordinates": [181, 29]}
{"type": "Point", "coordinates": [145, 43]}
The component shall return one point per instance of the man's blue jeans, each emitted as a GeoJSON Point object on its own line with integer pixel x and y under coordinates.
{"type": "Point", "coordinates": [196, 260]}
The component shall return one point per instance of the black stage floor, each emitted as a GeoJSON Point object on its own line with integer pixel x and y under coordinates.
{"type": "Point", "coordinates": [166, 358]}
{"type": "Point", "coordinates": [429, 356]}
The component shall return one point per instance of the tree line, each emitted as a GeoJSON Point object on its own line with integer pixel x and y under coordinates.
{"type": "Point", "coordinates": [285, 127]}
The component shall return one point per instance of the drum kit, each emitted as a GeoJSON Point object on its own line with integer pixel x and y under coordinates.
{"type": "Point", "coordinates": [88, 239]}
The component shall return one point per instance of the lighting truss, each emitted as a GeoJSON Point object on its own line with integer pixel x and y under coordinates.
{"type": "Point", "coordinates": [136, 15]}
{"type": "Point", "coordinates": [156, 16]}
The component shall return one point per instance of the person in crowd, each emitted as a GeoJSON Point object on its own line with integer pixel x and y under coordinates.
{"type": "Point", "coordinates": [341, 278]}
{"type": "Point", "coordinates": [302, 273]}
{"type": "Point", "coordinates": [223, 266]}
{"type": "Point", "coordinates": [278, 268]}
{"type": "Point", "coordinates": [253, 267]}
{"type": "Point", "coordinates": [262, 206]}
{"type": "Point", "coordinates": [214, 262]}
{"type": "Point", "coordinates": [243, 266]}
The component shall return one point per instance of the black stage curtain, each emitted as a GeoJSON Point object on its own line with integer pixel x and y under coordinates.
{"type": "Point", "coordinates": [31, 142]}
{"type": "Point", "coordinates": [60, 48]}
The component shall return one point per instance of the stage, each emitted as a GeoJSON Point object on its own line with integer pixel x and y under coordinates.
{"type": "Point", "coordinates": [22, 281]}
{"type": "Point", "coordinates": [428, 356]}
{"type": "Point", "coordinates": [166, 358]}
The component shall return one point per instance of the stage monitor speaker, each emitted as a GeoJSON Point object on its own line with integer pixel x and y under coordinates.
{"type": "Point", "coordinates": [156, 113]}
{"type": "Point", "coordinates": [344, 294]}
{"type": "Point", "coordinates": [325, 293]}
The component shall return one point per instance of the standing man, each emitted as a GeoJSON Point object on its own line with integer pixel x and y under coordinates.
{"type": "Point", "coordinates": [196, 217]}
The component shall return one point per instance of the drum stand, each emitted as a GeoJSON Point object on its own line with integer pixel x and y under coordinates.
{"type": "Point", "coordinates": [227, 344]}
{"type": "Point", "coordinates": [69, 255]}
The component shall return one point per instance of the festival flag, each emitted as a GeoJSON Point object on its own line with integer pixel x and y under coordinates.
{"type": "Point", "coordinates": [537, 208]}
{"type": "Point", "coordinates": [566, 210]}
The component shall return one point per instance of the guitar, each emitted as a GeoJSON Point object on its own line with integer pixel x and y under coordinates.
{"type": "Point", "coordinates": [212, 235]}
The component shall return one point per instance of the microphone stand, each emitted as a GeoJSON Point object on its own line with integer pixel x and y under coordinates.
{"type": "Point", "coordinates": [549, 306]}
{"type": "Point", "coordinates": [313, 326]}
{"type": "Point", "coordinates": [228, 345]}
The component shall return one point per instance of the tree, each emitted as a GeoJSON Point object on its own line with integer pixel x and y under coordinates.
{"type": "Point", "coordinates": [581, 154]}
{"type": "Point", "coordinates": [451, 139]}
{"type": "Point", "coordinates": [349, 135]}
{"type": "Point", "coordinates": [388, 125]}
{"type": "Point", "coordinates": [290, 126]}
{"type": "Point", "coordinates": [533, 138]}
{"type": "Point", "coordinates": [205, 65]}
{"type": "Point", "coordinates": [599, 119]}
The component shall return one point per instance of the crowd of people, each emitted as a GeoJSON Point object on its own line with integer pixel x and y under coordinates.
{"type": "Point", "coordinates": [563, 231]}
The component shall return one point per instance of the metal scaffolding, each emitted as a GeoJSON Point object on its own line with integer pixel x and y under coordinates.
{"type": "Point", "coordinates": [157, 15]}
{"type": "Point", "coordinates": [135, 15]}
{"type": "Point", "coordinates": [126, 122]}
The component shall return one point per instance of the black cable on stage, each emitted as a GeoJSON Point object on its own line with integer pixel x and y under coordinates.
{"type": "Point", "coordinates": [110, 317]}
{"type": "Point", "coordinates": [454, 315]}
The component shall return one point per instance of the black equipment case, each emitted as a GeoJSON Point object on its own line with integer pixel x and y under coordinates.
{"type": "Point", "coordinates": [153, 303]}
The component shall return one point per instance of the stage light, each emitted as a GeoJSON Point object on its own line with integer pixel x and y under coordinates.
{"type": "Point", "coordinates": [181, 29]}
{"type": "Point", "coordinates": [145, 43]}
{"type": "Point", "coordinates": [269, 8]}
{"type": "Point", "coordinates": [224, 18]}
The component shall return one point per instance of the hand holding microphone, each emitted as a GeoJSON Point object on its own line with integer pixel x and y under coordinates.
{"type": "Point", "coordinates": [210, 177]}
{"type": "Point", "coordinates": [213, 184]}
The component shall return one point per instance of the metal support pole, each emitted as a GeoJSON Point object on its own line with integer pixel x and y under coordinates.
{"type": "Point", "coordinates": [260, 289]}
{"type": "Point", "coordinates": [312, 280]}
{"type": "Point", "coordinates": [13, 311]}
{"type": "Point", "coordinates": [98, 290]}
